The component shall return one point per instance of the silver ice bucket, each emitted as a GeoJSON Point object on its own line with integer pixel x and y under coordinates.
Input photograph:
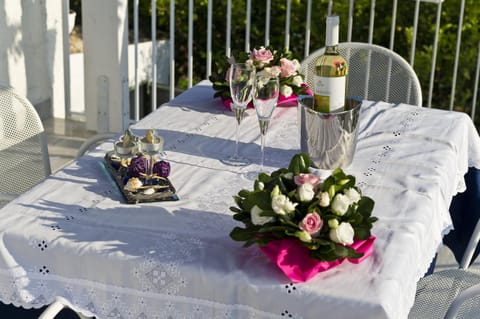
{"type": "Point", "coordinates": [329, 139]}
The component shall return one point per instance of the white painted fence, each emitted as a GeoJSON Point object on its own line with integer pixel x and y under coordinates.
{"type": "Point", "coordinates": [34, 53]}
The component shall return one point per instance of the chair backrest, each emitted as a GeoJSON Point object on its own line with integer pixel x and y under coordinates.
{"type": "Point", "coordinates": [374, 73]}
{"type": "Point", "coordinates": [24, 159]}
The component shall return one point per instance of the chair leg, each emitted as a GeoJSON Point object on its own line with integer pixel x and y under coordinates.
{"type": "Point", "coordinates": [52, 310]}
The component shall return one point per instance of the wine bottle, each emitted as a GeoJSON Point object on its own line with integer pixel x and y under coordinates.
{"type": "Point", "coordinates": [331, 72]}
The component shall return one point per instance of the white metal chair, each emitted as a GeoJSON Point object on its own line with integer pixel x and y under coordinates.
{"type": "Point", "coordinates": [451, 293]}
{"type": "Point", "coordinates": [57, 306]}
{"type": "Point", "coordinates": [24, 159]}
{"type": "Point", "coordinates": [375, 73]}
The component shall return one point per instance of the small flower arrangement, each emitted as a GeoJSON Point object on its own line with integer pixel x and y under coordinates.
{"type": "Point", "coordinates": [265, 59]}
{"type": "Point", "coordinates": [295, 211]}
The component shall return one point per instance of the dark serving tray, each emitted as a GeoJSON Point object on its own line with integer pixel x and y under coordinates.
{"type": "Point", "coordinates": [121, 176]}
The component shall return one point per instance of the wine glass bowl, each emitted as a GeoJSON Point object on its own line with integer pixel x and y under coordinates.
{"type": "Point", "coordinates": [241, 78]}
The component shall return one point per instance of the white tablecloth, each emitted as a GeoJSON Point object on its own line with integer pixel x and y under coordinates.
{"type": "Point", "coordinates": [74, 235]}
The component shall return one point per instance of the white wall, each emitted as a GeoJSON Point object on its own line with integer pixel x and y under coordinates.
{"type": "Point", "coordinates": [105, 44]}
{"type": "Point", "coordinates": [31, 52]}
{"type": "Point", "coordinates": [33, 59]}
{"type": "Point", "coordinates": [77, 88]}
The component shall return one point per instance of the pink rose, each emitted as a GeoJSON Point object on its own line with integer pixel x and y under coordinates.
{"type": "Point", "coordinates": [288, 67]}
{"type": "Point", "coordinates": [311, 223]}
{"type": "Point", "coordinates": [307, 178]}
{"type": "Point", "coordinates": [263, 56]}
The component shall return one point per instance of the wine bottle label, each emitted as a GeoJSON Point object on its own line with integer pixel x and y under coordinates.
{"type": "Point", "coordinates": [329, 93]}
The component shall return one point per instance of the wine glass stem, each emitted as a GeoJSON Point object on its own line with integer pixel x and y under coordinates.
{"type": "Point", "coordinates": [150, 168]}
{"type": "Point", "coordinates": [262, 152]}
{"type": "Point", "coordinates": [239, 116]}
{"type": "Point", "coordinates": [236, 139]}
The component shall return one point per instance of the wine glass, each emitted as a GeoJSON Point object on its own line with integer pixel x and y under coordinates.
{"type": "Point", "coordinates": [265, 97]}
{"type": "Point", "coordinates": [151, 145]}
{"type": "Point", "coordinates": [241, 77]}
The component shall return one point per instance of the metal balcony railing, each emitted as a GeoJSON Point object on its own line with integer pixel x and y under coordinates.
{"type": "Point", "coordinates": [428, 86]}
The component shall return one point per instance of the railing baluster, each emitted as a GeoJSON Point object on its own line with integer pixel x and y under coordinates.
{"type": "Point", "coordinates": [372, 21]}
{"type": "Point", "coordinates": [267, 22]}
{"type": "Point", "coordinates": [172, 49]}
{"type": "Point", "coordinates": [287, 24]}
{"type": "Point", "coordinates": [414, 35]}
{"type": "Point", "coordinates": [209, 38]}
{"type": "Point", "coordinates": [66, 58]}
{"type": "Point", "coordinates": [154, 56]}
{"type": "Point", "coordinates": [228, 46]}
{"type": "Point", "coordinates": [475, 88]}
{"type": "Point", "coordinates": [350, 21]}
{"type": "Point", "coordinates": [136, 114]}
{"type": "Point", "coordinates": [287, 39]}
{"type": "Point", "coordinates": [392, 42]}
{"type": "Point", "coordinates": [190, 43]}
{"type": "Point", "coordinates": [457, 54]}
{"type": "Point", "coordinates": [307, 28]}
{"type": "Point", "coordinates": [394, 24]}
{"type": "Point", "coordinates": [247, 28]}
{"type": "Point", "coordinates": [434, 54]}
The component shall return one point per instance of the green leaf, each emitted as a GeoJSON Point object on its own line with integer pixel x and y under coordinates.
{"type": "Point", "coordinates": [365, 206]}
{"type": "Point", "coordinates": [243, 217]}
{"type": "Point", "coordinates": [271, 229]}
{"type": "Point", "coordinates": [346, 252]}
{"type": "Point", "coordinates": [242, 234]}
{"type": "Point", "coordinates": [244, 193]}
{"type": "Point", "coordinates": [361, 232]}
{"type": "Point", "coordinates": [235, 209]}
{"type": "Point", "coordinates": [259, 198]}
{"type": "Point", "coordinates": [300, 163]}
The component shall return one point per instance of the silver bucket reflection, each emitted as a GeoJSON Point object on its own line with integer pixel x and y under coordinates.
{"type": "Point", "coordinates": [329, 139]}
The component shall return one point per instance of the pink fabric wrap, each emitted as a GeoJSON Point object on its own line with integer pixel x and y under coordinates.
{"type": "Point", "coordinates": [293, 259]}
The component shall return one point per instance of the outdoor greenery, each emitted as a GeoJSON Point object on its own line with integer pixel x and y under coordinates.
{"type": "Point", "coordinates": [383, 16]}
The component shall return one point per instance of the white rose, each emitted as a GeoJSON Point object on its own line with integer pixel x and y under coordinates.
{"type": "Point", "coordinates": [296, 64]}
{"type": "Point", "coordinates": [333, 223]}
{"type": "Point", "coordinates": [324, 199]}
{"type": "Point", "coordinates": [288, 175]}
{"type": "Point", "coordinates": [340, 204]}
{"type": "Point", "coordinates": [352, 195]}
{"type": "Point", "coordinates": [286, 90]}
{"type": "Point", "coordinates": [282, 205]}
{"type": "Point", "coordinates": [297, 80]}
{"type": "Point", "coordinates": [275, 191]}
{"type": "Point", "coordinates": [257, 219]}
{"type": "Point", "coordinates": [304, 236]}
{"type": "Point", "coordinates": [305, 192]}
{"type": "Point", "coordinates": [343, 234]}
{"type": "Point", "coordinates": [273, 71]}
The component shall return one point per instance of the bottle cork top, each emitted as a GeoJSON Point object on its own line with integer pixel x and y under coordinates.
{"type": "Point", "coordinates": [333, 25]}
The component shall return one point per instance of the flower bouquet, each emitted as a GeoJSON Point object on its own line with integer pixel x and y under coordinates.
{"type": "Point", "coordinates": [305, 225]}
{"type": "Point", "coordinates": [276, 62]}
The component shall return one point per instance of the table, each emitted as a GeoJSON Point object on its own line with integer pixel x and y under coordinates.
{"type": "Point", "coordinates": [74, 236]}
